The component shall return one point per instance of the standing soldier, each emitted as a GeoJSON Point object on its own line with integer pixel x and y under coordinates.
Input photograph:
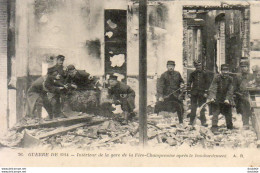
{"type": "Point", "coordinates": [197, 87]}
{"type": "Point", "coordinates": [221, 94]}
{"type": "Point", "coordinates": [242, 94]}
{"type": "Point", "coordinates": [124, 95]}
{"type": "Point", "coordinates": [168, 91]}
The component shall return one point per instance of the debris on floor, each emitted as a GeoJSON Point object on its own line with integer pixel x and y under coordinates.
{"type": "Point", "coordinates": [97, 132]}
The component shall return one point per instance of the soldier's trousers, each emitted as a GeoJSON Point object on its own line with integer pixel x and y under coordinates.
{"type": "Point", "coordinates": [224, 109]}
{"type": "Point", "coordinates": [197, 101]}
{"type": "Point", "coordinates": [245, 111]}
{"type": "Point", "coordinates": [171, 104]}
{"type": "Point", "coordinates": [128, 104]}
{"type": "Point", "coordinates": [36, 101]}
{"type": "Point", "coordinates": [55, 104]}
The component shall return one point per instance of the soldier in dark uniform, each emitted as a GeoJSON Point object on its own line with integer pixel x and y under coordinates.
{"type": "Point", "coordinates": [80, 79]}
{"type": "Point", "coordinates": [221, 94]}
{"type": "Point", "coordinates": [55, 88]}
{"type": "Point", "coordinates": [197, 88]}
{"type": "Point", "coordinates": [124, 95]}
{"type": "Point", "coordinates": [168, 91]}
{"type": "Point", "coordinates": [37, 97]}
{"type": "Point", "coordinates": [242, 95]}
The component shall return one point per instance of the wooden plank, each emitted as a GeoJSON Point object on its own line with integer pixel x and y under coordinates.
{"type": "Point", "coordinates": [56, 123]}
{"type": "Point", "coordinates": [61, 130]}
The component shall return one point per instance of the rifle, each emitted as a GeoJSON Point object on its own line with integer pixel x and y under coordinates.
{"type": "Point", "coordinates": [173, 92]}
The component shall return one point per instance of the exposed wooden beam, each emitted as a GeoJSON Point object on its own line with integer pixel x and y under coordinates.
{"type": "Point", "coordinates": [143, 72]}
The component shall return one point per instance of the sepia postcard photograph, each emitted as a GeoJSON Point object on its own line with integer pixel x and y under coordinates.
{"type": "Point", "coordinates": [129, 83]}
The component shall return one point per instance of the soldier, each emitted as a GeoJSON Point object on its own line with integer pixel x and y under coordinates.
{"type": "Point", "coordinates": [36, 97]}
{"type": "Point", "coordinates": [80, 79]}
{"type": "Point", "coordinates": [168, 91]}
{"type": "Point", "coordinates": [124, 95]}
{"type": "Point", "coordinates": [55, 88]}
{"type": "Point", "coordinates": [60, 68]}
{"type": "Point", "coordinates": [197, 88]}
{"type": "Point", "coordinates": [242, 94]}
{"type": "Point", "coordinates": [221, 94]}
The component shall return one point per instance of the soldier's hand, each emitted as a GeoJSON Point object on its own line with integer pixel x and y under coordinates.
{"type": "Point", "coordinates": [90, 77]}
{"type": "Point", "coordinates": [210, 100]}
{"type": "Point", "coordinates": [74, 86]}
{"type": "Point", "coordinates": [205, 95]}
{"type": "Point", "coordinates": [123, 95]}
{"type": "Point", "coordinates": [117, 102]}
{"type": "Point", "coordinates": [226, 102]}
{"type": "Point", "coordinates": [66, 86]}
{"type": "Point", "coordinates": [61, 88]}
{"type": "Point", "coordinates": [161, 99]}
{"type": "Point", "coordinates": [189, 95]}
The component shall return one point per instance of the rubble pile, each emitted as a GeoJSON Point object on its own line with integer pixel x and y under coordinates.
{"type": "Point", "coordinates": [103, 135]}
{"type": "Point", "coordinates": [165, 129]}
{"type": "Point", "coordinates": [99, 132]}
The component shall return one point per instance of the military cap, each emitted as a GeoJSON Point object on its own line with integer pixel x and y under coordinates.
{"type": "Point", "coordinates": [52, 70]}
{"type": "Point", "coordinates": [224, 67]}
{"type": "Point", "coordinates": [70, 67]}
{"type": "Point", "coordinates": [196, 62]}
{"type": "Point", "coordinates": [112, 77]}
{"type": "Point", "coordinates": [244, 63]}
{"type": "Point", "coordinates": [60, 57]}
{"type": "Point", "coordinates": [170, 62]}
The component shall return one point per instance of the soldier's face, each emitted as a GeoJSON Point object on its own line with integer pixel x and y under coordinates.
{"type": "Point", "coordinates": [60, 61]}
{"type": "Point", "coordinates": [170, 67]}
{"type": "Point", "coordinates": [57, 76]}
{"type": "Point", "coordinates": [244, 69]}
{"type": "Point", "coordinates": [198, 67]}
{"type": "Point", "coordinates": [224, 72]}
{"type": "Point", "coordinates": [72, 73]}
{"type": "Point", "coordinates": [112, 83]}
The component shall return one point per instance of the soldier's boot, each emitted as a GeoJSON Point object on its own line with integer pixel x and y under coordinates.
{"type": "Point", "coordinates": [229, 122]}
{"type": "Point", "coordinates": [49, 118]}
{"type": "Point", "coordinates": [203, 119]}
{"type": "Point", "coordinates": [191, 121]}
{"type": "Point", "coordinates": [204, 124]}
{"type": "Point", "coordinates": [214, 129]}
{"type": "Point", "coordinates": [131, 116]}
{"type": "Point", "coordinates": [126, 116]}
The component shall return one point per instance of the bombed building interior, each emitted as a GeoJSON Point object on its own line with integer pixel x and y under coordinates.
{"type": "Point", "coordinates": [102, 38]}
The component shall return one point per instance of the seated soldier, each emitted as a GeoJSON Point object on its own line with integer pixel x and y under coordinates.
{"type": "Point", "coordinates": [55, 88]}
{"type": "Point", "coordinates": [124, 95]}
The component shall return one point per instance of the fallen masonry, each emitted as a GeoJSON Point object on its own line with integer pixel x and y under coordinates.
{"type": "Point", "coordinates": [88, 132]}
